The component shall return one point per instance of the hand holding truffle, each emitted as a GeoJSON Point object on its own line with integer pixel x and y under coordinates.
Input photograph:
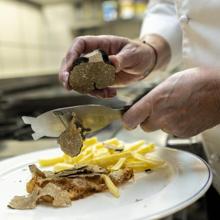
{"type": "Point", "coordinates": [124, 61]}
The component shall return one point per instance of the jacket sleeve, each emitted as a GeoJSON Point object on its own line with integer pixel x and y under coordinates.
{"type": "Point", "coordinates": [161, 18]}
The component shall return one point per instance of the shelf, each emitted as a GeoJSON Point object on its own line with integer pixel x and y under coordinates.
{"type": "Point", "coordinates": [87, 25]}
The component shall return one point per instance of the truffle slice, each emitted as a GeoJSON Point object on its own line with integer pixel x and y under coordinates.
{"type": "Point", "coordinates": [93, 71]}
{"type": "Point", "coordinates": [25, 202]}
{"type": "Point", "coordinates": [71, 140]}
{"type": "Point", "coordinates": [82, 171]}
{"type": "Point", "coordinates": [54, 193]}
{"type": "Point", "coordinates": [58, 189]}
{"type": "Point", "coordinates": [50, 193]}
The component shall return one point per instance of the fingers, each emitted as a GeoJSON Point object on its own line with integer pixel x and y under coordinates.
{"type": "Point", "coordinates": [138, 113]}
{"type": "Point", "coordinates": [122, 77]}
{"type": "Point", "coordinates": [142, 114]}
{"type": "Point", "coordinates": [81, 45]}
{"type": "Point", "coordinates": [149, 125]}
{"type": "Point", "coordinates": [104, 93]}
{"type": "Point", "coordinates": [74, 52]}
{"type": "Point", "coordinates": [125, 59]}
{"type": "Point", "coordinates": [134, 58]}
{"type": "Point", "coordinates": [63, 77]}
{"type": "Point", "coordinates": [113, 59]}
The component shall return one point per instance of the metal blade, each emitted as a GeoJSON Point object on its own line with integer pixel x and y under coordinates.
{"type": "Point", "coordinates": [91, 117]}
{"type": "Point", "coordinates": [53, 123]}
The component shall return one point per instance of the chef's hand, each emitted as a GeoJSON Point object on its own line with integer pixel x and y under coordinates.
{"type": "Point", "coordinates": [184, 105]}
{"type": "Point", "coordinates": [132, 59]}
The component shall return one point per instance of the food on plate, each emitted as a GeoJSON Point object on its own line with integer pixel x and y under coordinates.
{"type": "Point", "coordinates": [60, 188]}
{"type": "Point", "coordinates": [100, 166]}
{"type": "Point", "coordinates": [92, 71]}
{"type": "Point", "coordinates": [111, 154]}
{"type": "Point", "coordinates": [71, 140]}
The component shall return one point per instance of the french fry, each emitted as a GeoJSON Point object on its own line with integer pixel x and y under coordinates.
{"type": "Point", "coordinates": [88, 142]}
{"type": "Point", "coordinates": [135, 146]}
{"type": "Point", "coordinates": [87, 150]}
{"type": "Point", "coordinates": [152, 159]}
{"type": "Point", "coordinates": [68, 159]}
{"type": "Point", "coordinates": [111, 186]}
{"type": "Point", "coordinates": [101, 152]}
{"type": "Point", "coordinates": [138, 156]}
{"type": "Point", "coordinates": [51, 162]}
{"type": "Point", "coordinates": [146, 149]}
{"type": "Point", "coordinates": [133, 156]}
{"type": "Point", "coordinates": [105, 161]}
{"type": "Point", "coordinates": [113, 141]}
{"type": "Point", "coordinates": [140, 166]}
{"type": "Point", "coordinates": [62, 166]}
{"type": "Point", "coordinates": [85, 159]}
{"type": "Point", "coordinates": [119, 164]}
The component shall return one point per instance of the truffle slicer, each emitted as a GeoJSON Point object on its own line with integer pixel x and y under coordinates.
{"type": "Point", "coordinates": [91, 117]}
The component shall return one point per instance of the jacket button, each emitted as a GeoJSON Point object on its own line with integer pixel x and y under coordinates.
{"type": "Point", "coordinates": [184, 19]}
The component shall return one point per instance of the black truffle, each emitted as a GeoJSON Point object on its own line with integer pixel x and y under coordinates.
{"type": "Point", "coordinates": [93, 71]}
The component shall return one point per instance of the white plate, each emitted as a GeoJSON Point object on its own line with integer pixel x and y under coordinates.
{"type": "Point", "coordinates": [152, 195]}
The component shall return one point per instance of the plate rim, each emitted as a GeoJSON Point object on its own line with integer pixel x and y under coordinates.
{"type": "Point", "coordinates": [190, 200]}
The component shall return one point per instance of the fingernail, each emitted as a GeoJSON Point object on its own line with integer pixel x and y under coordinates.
{"type": "Point", "coordinates": [111, 93]}
{"type": "Point", "coordinates": [128, 123]}
{"type": "Point", "coordinates": [65, 77]}
{"type": "Point", "coordinates": [128, 127]}
{"type": "Point", "coordinates": [64, 84]}
{"type": "Point", "coordinates": [115, 62]}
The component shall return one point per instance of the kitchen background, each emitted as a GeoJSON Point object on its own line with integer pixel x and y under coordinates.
{"type": "Point", "coordinates": [36, 33]}
{"type": "Point", "coordinates": [34, 36]}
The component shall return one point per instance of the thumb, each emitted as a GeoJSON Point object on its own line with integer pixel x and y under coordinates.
{"type": "Point", "coordinates": [116, 62]}
{"type": "Point", "coordinates": [122, 60]}
{"type": "Point", "coordinates": [138, 113]}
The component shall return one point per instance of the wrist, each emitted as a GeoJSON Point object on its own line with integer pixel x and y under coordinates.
{"type": "Point", "coordinates": [154, 59]}
{"type": "Point", "coordinates": [148, 59]}
{"type": "Point", "coordinates": [161, 49]}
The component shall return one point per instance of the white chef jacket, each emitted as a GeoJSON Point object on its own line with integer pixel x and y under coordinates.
{"type": "Point", "coordinates": [192, 29]}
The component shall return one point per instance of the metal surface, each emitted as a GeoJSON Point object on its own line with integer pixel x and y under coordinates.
{"type": "Point", "coordinates": [91, 117]}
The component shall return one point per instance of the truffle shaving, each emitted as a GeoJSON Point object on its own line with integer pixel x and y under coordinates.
{"type": "Point", "coordinates": [71, 140]}
{"type": "Point", "coordinates": [58, 189]}
{"type": "Point", "coordinates": [59, 197]}
{"type": "Point", "coordinates": [25, 202]}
